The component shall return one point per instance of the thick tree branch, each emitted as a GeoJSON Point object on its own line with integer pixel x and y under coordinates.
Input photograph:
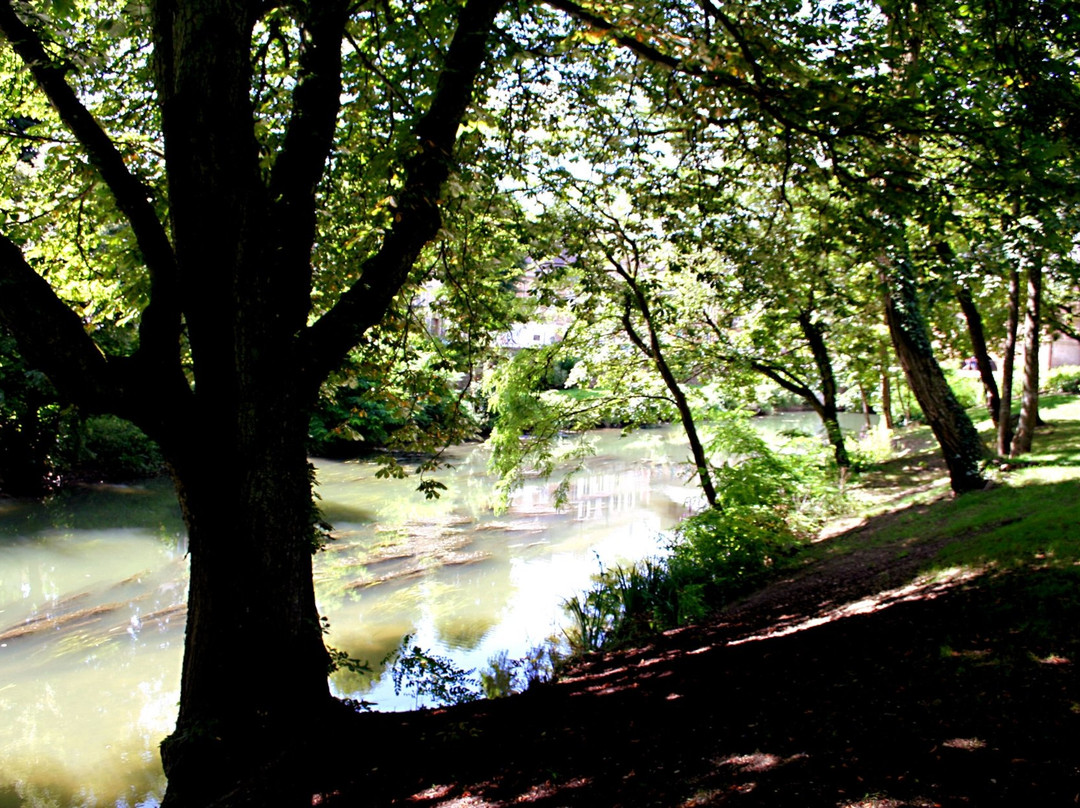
{"type": "Point", "coordinates": [417, 218]}
{"type": "Point", "coordinates": [301, 162]}
{"type": "Point", "coordinates": [848, 116]}
{"type": "Point", "coordinates": [788, 382]}
{"type": "Point", "coordinates": [160, 324]}
{"type": "Point", "coordinates": [50, 335]}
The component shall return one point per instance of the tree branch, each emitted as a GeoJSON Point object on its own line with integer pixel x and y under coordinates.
{"type": "Point", "coordinates": [50, 335]}
{"type": "Point", "coordinates": [301, 162]}
{"type": "Point", "coordinates": [160, 324]}
{"type": "Point", "coordinates": [417, 218]}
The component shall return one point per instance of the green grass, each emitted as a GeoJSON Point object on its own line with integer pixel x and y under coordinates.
{"type": "Point", "coordinates": [1019, 539]}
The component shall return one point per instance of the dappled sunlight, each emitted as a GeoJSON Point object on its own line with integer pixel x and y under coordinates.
{"type": "Point", "coordinates": [1054, 659]}
{"type": "Point", "coordinates": [448, 796]}
{"type": "Point", "coordinates": [926, 587]}
{"type": "Point", "coordinates": [756, 762]}
{"type": "Point", "coordinates": [441, 796]}
{"type": "Point", "coordinates": [966, 744]}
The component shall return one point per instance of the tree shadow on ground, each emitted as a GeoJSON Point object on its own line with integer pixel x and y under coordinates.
{"type": "Point", "coordinates": [857, 681]}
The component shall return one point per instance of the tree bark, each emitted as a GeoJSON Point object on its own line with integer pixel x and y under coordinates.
{"type": "Point", "coordinates": [886, 389]}
{"type": "Point", "coordinates": [828, 412]}
{"type": "Point", "coordinates": [960, 443]}
{"type": "Point", "coordinates": [654, 351]}
{"type": "Point", "coordinates": [979, 349]}
{"type": "Point", "coordinates": [1029, 403]}
{"type": "Point", "coordinates": [1008, 363]}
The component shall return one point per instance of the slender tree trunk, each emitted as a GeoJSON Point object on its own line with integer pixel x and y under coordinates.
{"type": "Point", "coordinates": [1029, 404]}
{"type": "Point", "coordinates": [1008, 363]}
{"type": "Point", "coordinates": [886, 389]}
{"type": "Point", "coordinates": [828, 412]}
{"type": "Point", "coordinates": [960, 443]}
{"type": "Point", "coordinates": [652, 349]}
{"type": "Point", "coordinates": [865, 406]}
{"type": "Point", "coordinates": [978, 346]}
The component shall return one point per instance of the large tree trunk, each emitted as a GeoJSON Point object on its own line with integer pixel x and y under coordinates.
{"type": "Point", "coordinates": [1029, 404]}
{"type": "Point", "coordinates": [254, 681]}
{"type": "Point", "coordinates": [232, 273]}
{"type": "Point", "coordinates": [960, 443]}
{"type": "Point", "coordinates": [1008, 363]}
{"type": "Point", "coordinates": [254, 685]}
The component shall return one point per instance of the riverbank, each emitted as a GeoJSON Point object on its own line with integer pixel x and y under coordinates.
{"type": "Point", "coordinates": [921, 654]}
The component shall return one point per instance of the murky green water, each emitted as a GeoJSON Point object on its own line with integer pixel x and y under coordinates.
{"type": "Point", "coordinates": [93, 584]}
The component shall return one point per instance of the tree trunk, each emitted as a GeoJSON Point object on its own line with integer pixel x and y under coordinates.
{"type": "Point", "coordinates": [978, 347]}
{"type": "Point", "coordinates": [254, 684]}
{"type": "Point", "coordinates": [636, 299]}
{"type": "Point", "coordinates": [886, 389]}
{"type": "Point", "coordinates": [865, 407]}
{"type": "Point", "coordinates": [960, 443]}
{"type": "Point", "coordinates": [228, 362]}
{"type": "Point", "coordinates": [1008, 363]}
{"type": "Point", "coordinates": [828, 412]}
{"type": "Point", "coordinates": [1029, 404]}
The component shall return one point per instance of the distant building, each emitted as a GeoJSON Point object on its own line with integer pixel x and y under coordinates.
{"type": "Point", "coordinates": [1059, 351]}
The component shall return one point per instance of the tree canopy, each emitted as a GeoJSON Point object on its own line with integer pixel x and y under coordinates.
{"type": "Point", "coordinates": [210, 209]}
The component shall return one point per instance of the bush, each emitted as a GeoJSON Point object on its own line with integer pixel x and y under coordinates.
{"type": "Point", "coordinates": [428, 677]}
{"type": "Point", "coordinates": [714, 557]}
{"type": "Point", "coordinates": [873, 448]}
{"type": "Point", "coordinates": [1063, 379]}
{"type": "Point", "coordinates": [967, 389]}
{"type": "Point", "coordinates": [114, 449]}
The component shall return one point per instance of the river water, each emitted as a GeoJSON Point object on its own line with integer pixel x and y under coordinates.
{"type": "Point", "coordinates": [93, 585]}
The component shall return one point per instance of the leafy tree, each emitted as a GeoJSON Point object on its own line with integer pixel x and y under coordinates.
{"type": "Point", "coordinates": [270, 176]}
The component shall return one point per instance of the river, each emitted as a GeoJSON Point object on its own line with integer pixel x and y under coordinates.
{"type": "Point", "coordinates": [93, 585]}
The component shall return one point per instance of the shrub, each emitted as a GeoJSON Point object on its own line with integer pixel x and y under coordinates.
{"type": "Point", "coordinates": [114, 449]}
{"type": "Point", "coordinates": [967, 389]}
{"type": "Point", "coordinates": [429, 677]}
{"type": "Point", "coordinates": [1063, 379]}
{"type": "Point", "coordinates": [714, 557]}
{"type": "Point", "coordinates": [505, 676]}
{"type": "Point", "coordinates": [873, 448]}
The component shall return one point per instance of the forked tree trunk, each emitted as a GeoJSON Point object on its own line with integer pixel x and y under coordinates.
{"type": "Point", "coordinates": [1029, 403]}
{"type": "Point", "coordinates": [1008, 363]}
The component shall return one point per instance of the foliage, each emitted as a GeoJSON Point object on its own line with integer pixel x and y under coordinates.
{"type": "Point", "coordinates": [42, 440]}
{"type": "Point", "coordinates": [873, 448]}
{"type": "Point", "coordinates": [769, 499]}
{"type": "Point", "coordinates": [31, 425]}
{"type": "Point", "coordinates": [117, 449]}
{"type": "Point", "coordinates": [968, 389]}
{"type": "Point", "coordinates": [430, 678]}
{"type": "Point", "coordinates": [1063, 379]}
{"type": "Point", "coordinates": [505, 676]}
